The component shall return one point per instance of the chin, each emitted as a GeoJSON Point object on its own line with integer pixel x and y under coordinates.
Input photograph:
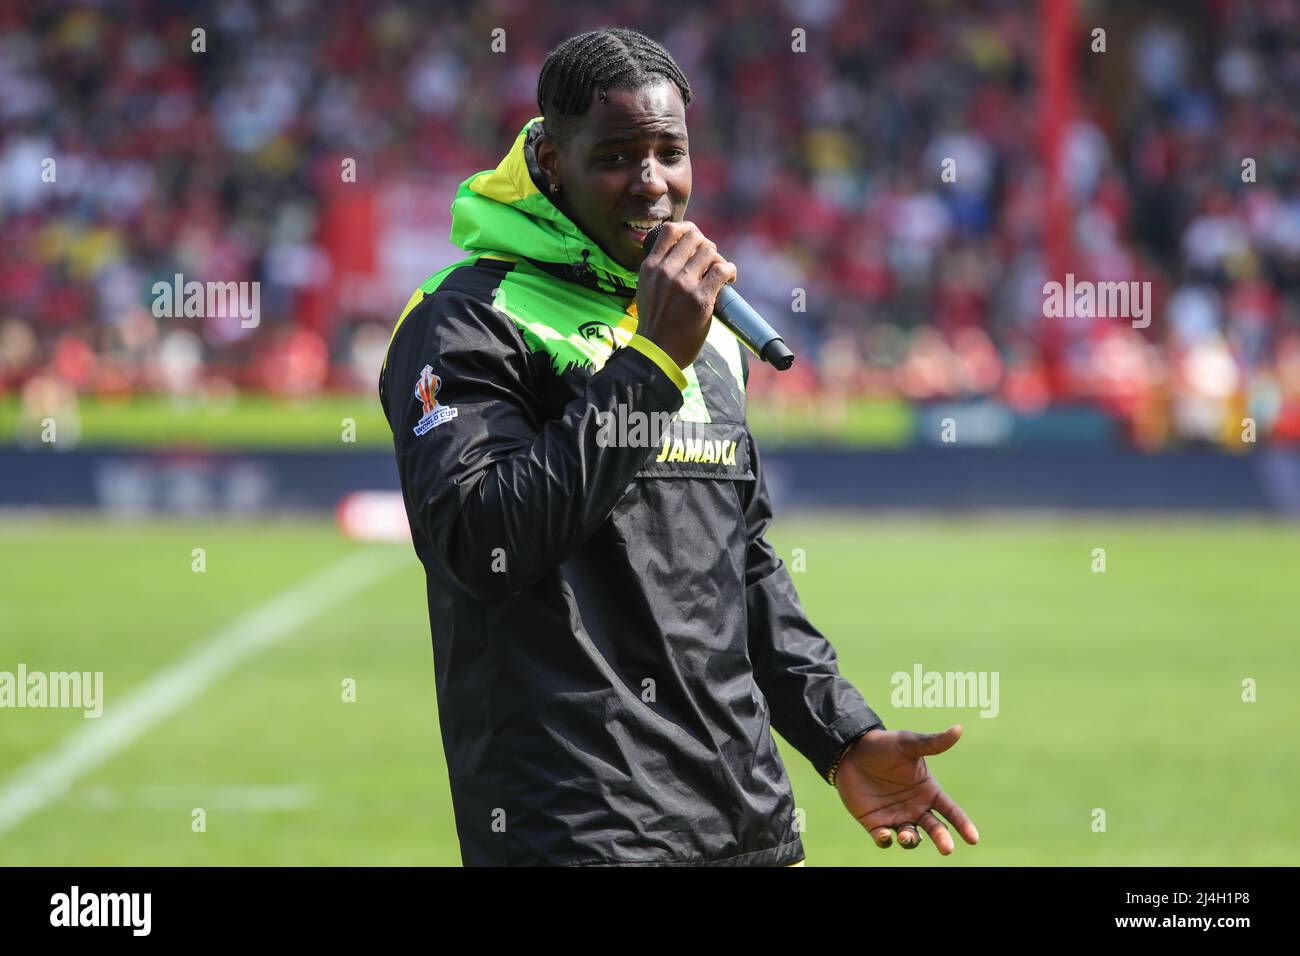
{"type": "Point", "coordinates": [628, 259]}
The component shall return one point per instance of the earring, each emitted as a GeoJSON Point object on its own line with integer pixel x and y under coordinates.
{"type": "Point", "coordinates": [555, 187]}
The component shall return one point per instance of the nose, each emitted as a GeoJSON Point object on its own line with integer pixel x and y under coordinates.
{"type": "Point", "coordinates": [650, 180]}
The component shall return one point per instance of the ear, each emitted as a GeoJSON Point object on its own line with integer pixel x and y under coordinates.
{"type": "Point", "coordinates": [547, 152]}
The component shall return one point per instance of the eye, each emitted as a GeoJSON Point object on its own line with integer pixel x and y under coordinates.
{"type": "Point", "coordinates": [613, 156]}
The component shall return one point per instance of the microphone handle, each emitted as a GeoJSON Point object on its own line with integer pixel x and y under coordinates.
{"type": "Point", "coordinates": [751, 328]}
{"type": "Point", "coordinates": [737, 315]}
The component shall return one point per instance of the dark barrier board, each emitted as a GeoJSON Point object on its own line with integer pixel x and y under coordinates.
{"type": "Point", "coordinates": [130, 482]}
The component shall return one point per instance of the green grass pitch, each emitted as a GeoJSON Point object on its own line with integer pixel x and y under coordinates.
{"type": "Point", "coordinates": [1119, 691]}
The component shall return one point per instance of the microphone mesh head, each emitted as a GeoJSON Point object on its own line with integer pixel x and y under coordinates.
{"type": "Point", "coordinates": [648, 242]}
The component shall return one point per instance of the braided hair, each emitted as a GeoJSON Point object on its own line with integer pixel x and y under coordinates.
{"type": "Point", "coordinates": [611, 58]}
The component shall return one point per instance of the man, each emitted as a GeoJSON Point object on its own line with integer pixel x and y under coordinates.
{"type": "Point", "coordinates": [613, 636]}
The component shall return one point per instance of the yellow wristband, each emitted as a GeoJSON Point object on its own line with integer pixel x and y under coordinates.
{"type": "Point", "coordinates": [661, 358]}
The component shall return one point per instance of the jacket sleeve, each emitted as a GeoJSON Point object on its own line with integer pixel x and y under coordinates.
{"type": "Point", "coordinates": [813, 706]}
{"type": "Point", "coordinates": [502, 495]}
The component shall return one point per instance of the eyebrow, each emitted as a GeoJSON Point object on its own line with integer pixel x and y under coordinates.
{"type": "Point", "coordinates": [634, 137]}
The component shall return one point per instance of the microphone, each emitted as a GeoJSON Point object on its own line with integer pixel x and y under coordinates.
{"type": "Point", "coordinates": [738, 316]}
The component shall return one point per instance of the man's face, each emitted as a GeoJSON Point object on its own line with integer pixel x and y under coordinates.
{"type": "Point", "coordinates": [626, 160]}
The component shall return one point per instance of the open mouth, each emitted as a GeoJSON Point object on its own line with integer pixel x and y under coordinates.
{"type": "Point", "coordinates": [638, 229]}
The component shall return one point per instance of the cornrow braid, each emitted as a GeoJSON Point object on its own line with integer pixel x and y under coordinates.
{"type": "Point", "coordinates": [605, 59]}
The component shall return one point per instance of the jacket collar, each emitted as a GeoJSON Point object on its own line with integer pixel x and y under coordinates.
{"type": "Point", "coordinates": [504, 210]}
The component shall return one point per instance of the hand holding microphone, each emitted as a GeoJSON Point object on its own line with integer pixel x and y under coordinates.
{"type": "Point", "coordinates": [683, 284]}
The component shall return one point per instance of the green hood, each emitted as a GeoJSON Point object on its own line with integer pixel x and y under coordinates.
{"type": "Point", "coordinates": [503, 210]}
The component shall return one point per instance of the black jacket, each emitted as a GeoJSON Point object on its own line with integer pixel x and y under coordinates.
{"type": "Point", "coordinates": [613, 637]}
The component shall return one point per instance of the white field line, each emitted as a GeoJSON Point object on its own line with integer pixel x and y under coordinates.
{"type": "Point", "coordinates": [47, 777]}
{"type": "Point", "coordinates": [245, 796]}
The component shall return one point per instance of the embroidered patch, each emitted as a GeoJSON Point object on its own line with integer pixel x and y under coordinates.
{"type": "Point", "coordinates": [426, 390]}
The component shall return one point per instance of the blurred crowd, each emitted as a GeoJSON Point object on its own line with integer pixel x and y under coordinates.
{"type": "Point", "coordinates": [819, 173]}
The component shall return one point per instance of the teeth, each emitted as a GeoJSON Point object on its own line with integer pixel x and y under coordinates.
{"type": "Point", "coordinates": [642, 223]}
